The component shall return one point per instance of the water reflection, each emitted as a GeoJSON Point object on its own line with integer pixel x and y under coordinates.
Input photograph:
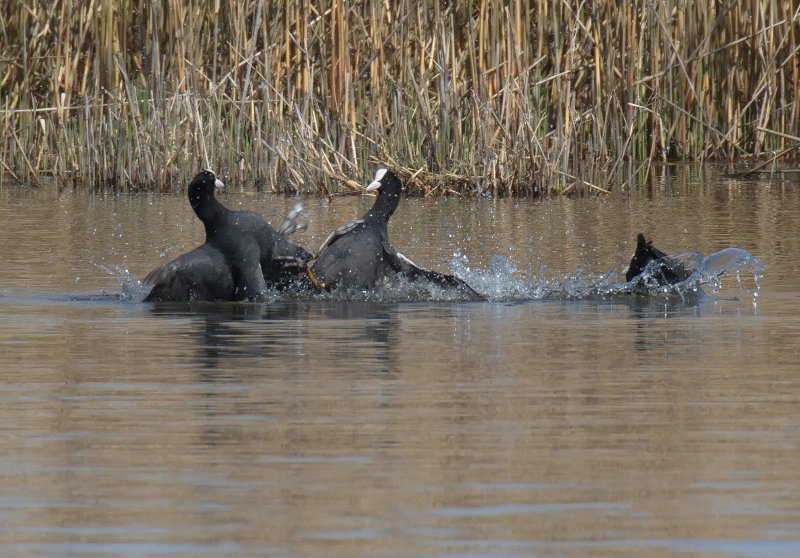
{"type": "Point", "coordinates": [281, 328]}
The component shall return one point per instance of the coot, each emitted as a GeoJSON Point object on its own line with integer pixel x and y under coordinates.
{"type": "Point", "coordinates": [202, 274]}
{"type": "Point", "coordinates": [665, 271]}
{"type": "Point", "coordinates": [241, 257]}
{"type": "Point", "coordinates": [358, 255]}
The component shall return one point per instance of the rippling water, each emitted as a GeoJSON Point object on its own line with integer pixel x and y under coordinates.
{"type": "Point", "coordinates": [561, 418]}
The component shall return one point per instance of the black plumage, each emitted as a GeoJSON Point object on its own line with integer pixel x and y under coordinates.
{"type": "Point", "coordinates": [358, 255]}
{"type": "Point", "coordinates": [665, 271]}
{"type": "Point", "coordinates": [242, 255]}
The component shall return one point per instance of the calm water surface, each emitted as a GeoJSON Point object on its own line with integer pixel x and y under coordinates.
{"type": "Point", "coordinates": [626, 427]}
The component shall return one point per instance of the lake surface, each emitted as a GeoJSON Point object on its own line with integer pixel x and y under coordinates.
{"type": "Point", "coordinates": [523, 426]}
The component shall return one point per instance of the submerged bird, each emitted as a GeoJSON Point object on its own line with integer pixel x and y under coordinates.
{"type": "Point", "coordinates": [665, 271]}
{"type": "Point", "coordinates": [200, 275]}
{"type": "Point", "coordinates": [358, 255]}
{"type": "Point", "coordinates": [241, 257]}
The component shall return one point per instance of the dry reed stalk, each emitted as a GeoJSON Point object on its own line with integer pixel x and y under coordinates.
{"type": "Point", "coordinates": [510, 98]}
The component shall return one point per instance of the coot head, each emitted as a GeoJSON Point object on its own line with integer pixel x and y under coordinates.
{"type": "Point", "coordinates": [388, 186]}
{"type": "Point", "coordinates": [201, 192]}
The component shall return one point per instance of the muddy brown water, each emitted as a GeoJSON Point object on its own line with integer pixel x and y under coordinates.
{"type": "Point", "coordinates": [622, 427]}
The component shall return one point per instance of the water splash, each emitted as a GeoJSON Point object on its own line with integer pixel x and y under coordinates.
{"type": "Point", "coordinates": [501, 282]}
{"type": "Point", "coordinates": [732, 261]}
{"type": "Point", "coordinates": [132, 288]}
{"type": "Point", "coordinates": [710, 272]}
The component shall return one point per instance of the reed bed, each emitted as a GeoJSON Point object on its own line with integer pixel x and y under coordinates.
{"type": "Point", "coordinates": [481, 97]}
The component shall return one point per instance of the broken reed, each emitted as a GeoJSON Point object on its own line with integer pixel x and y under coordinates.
{"type": "Point", "coordinates": [504, 97]}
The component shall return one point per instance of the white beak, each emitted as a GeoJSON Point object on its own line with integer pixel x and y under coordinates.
{"type": "Point", "coordinates": [376, 182]}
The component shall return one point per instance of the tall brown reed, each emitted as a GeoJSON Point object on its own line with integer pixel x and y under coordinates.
{"type": "Point", "coordinates": [516, 97]}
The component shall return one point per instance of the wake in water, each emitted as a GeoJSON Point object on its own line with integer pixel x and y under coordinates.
{"type": "Point", "coordinates": [718, 274]}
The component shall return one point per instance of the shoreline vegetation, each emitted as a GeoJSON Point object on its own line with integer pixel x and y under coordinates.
{"type": "Point", "coordinates": [503, 98]}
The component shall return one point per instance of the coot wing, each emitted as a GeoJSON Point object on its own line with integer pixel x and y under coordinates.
{"type": "Point", "coordinates": [338, 233]}
{"type": "Point", "coordinates": [401, 264]}
{"type": "Point", "coordinates": [202, 274]}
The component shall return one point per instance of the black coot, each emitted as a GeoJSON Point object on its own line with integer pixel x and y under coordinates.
{"type": "Point", "coordinates": [358, 255]}
{"type": "Point", "coordinates": [241, 257]}
{"type": "Point", "coordinates": [202, 274]}
{"type": "Point", "coordinates": [665, 271]}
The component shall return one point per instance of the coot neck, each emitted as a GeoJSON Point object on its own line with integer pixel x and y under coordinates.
{"type": "Point", "coordinates": [383, 207]}
{"type": "Point", "coordinates": [206, 207]}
